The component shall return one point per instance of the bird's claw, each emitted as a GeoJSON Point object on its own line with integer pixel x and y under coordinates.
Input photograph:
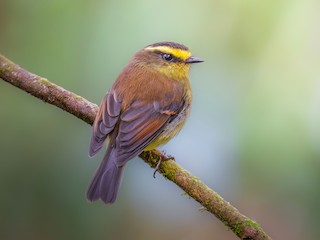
{"type": "Point", "coordinates": [162, 159]}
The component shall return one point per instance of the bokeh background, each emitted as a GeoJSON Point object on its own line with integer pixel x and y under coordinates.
{"type": "Point", "coordinates": [253, 134]}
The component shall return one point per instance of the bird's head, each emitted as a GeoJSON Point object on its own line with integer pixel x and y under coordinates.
{"type": "Point", "coordinates": [169, 58]}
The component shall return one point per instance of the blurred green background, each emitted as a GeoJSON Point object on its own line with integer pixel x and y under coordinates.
{"type": "Point", "coordinates": [253, 134]}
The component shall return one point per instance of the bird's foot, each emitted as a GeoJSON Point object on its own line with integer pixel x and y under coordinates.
{"type": "Point", "coordinates": [162, 159]}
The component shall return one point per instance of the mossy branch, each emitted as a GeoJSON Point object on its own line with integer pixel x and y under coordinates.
{"type": "Point", "coordinates": [41, 88]}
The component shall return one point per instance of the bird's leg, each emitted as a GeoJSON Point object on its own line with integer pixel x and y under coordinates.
{"type": "Point", "coordinates": [162, 158]}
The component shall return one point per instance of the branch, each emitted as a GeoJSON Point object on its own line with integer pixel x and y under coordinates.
{"type": "Point", "coordinates": [242, 226]}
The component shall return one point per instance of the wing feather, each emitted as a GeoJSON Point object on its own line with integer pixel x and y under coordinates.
{"type": "Point", "coordinates": [105, 121]}
{"type": "Point", "coordinates": [139, 126]}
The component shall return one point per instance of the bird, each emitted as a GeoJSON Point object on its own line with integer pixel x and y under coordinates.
{"type": "Point", "coordinates": [146, 106]}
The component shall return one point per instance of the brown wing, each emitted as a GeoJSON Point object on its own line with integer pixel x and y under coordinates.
{"type": "Point", "coordinates": [105, 121]}
{"type": "Point", "coordinates": [140, 124]}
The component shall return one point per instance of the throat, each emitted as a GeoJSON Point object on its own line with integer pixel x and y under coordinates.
{"type": "Point", "coordinates": [175, 72]}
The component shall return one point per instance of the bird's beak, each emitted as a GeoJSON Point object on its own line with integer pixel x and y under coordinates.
{"type": "Point", "coordinates": [193, 59]}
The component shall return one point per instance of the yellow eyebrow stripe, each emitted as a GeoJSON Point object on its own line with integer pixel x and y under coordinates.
{"type": "Point", "coordinates": [176, 52]}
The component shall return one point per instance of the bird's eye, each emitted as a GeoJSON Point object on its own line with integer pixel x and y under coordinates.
{"type": "Point", "coordinates": [167, 57]}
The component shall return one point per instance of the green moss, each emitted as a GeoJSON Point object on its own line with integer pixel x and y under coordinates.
{"type": "Point", "coordinates": [196, 179]}
{"type": "Point", "coordinates": [251, 223]}
{"type": "Point", "coordinates": [238, 228]}
{"type": "Point", "coordinates": [169, 170]}
{"type": "Point", "coordinates": [152, 158]}
{"type": "Point", "coordinates": [208, 203]}
{"type": "Point", "coordinates": [44, 81]}
{"type": "Point", "coordinates": [78, 97]}
{"type": "Point", "coordinates": [4, 69]}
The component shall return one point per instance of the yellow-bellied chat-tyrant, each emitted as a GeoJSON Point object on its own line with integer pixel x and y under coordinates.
{"type": "Point", "coordinates": [146, 106]}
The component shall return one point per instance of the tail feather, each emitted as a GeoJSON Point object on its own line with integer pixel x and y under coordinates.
{"type": "Point", "coordinates": [106, 182]}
